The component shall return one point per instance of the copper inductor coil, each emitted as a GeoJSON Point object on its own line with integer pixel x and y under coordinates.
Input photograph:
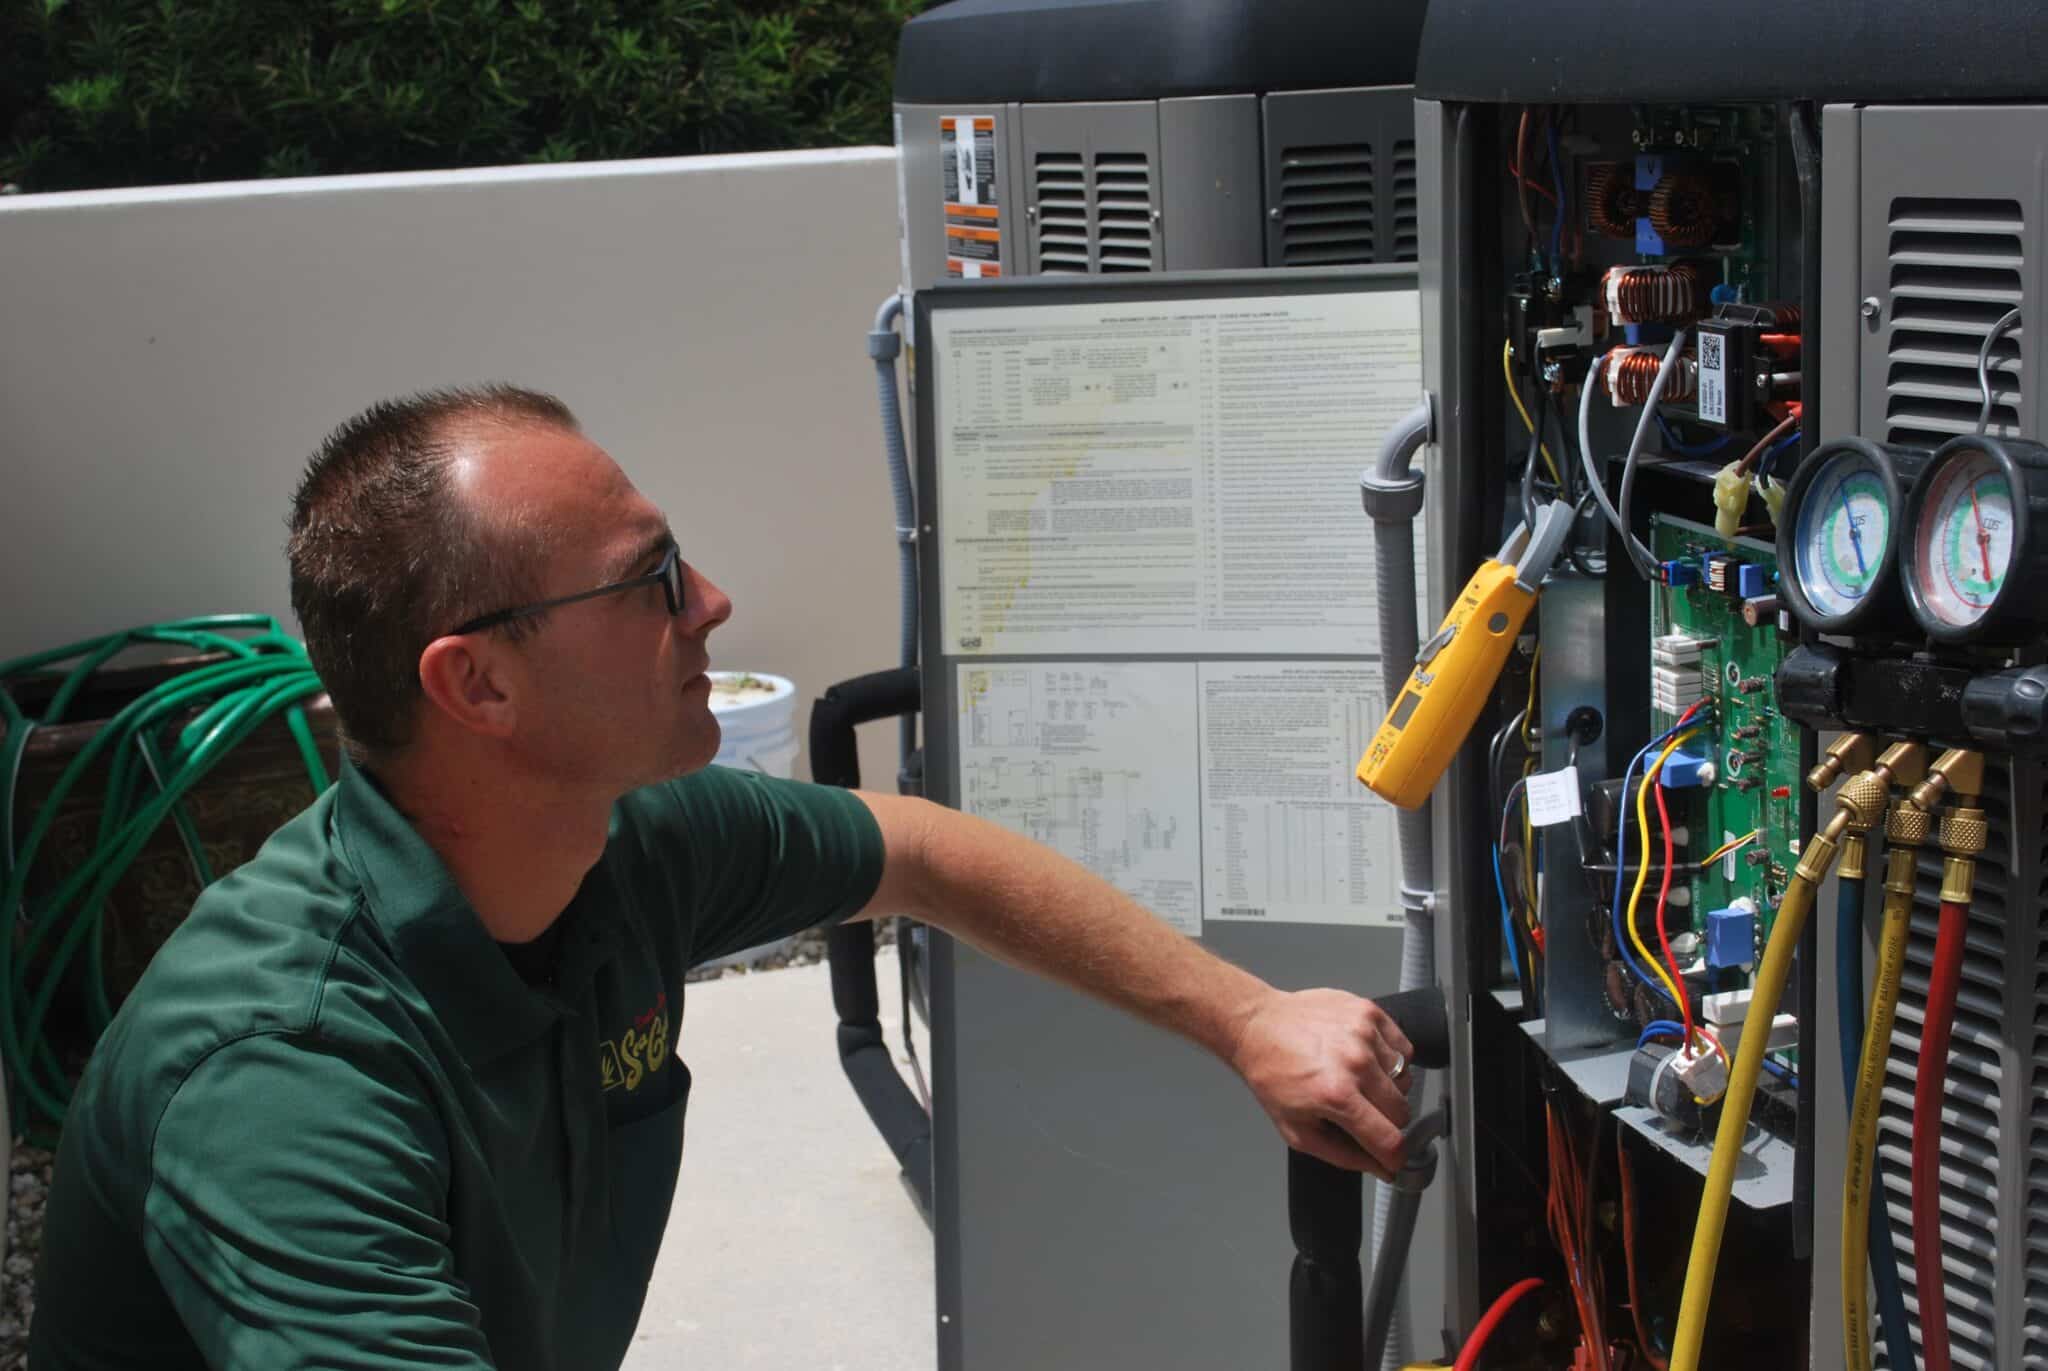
{"type": "Point", "coordinates": [1784, 317]}
{"type": "Point", "coordinates": [1682, 210]}
{"type": "Point", "coordinates": [1630, 374]}
{"type": "Point", "coordinates": [1612, 205]}
{"type": "Point", "coordinates": [1652, 295]}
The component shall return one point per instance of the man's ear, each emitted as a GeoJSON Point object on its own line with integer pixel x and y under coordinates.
{"type": "Point", "coordinates": [468, 683]}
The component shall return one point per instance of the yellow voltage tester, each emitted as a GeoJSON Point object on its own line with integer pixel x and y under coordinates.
{"type": "Point", "coordinates": [1455, 670]}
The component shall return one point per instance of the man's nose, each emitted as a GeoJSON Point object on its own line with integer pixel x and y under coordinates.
{"type": "Point", "coordinates": [708, 605]}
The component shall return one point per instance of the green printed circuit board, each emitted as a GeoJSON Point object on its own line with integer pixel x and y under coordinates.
{"type": "Point", "coordinates": [1705, 649]}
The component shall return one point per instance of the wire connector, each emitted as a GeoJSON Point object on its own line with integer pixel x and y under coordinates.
{"type": "Point", "coordinates": [1731, 497]}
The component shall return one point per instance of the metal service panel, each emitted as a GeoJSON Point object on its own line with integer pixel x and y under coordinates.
{"type": "Point", "coordinates": [1150, 642]}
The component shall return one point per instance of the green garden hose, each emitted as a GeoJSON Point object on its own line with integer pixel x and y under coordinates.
{"type": "Point", "coordinates": [151, 768]}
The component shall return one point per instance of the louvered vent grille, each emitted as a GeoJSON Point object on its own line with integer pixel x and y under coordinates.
{"type": "Point", "coordinates": [1972, 1136]}
{"type": "Point", "coordinates": [1124, 206]}
{"type": "Point", "coordinates": [1407, 228]}
{"type": "Point", "coordinates": [2035, 1351]}
{"type": "Point", "coordinates": [1061, 194]}
{"type": "Point", "coordinates": [1326, 205]}
{"type": "Point", "coordinates": [1955, 268]}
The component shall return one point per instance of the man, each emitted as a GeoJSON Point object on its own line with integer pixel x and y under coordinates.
{"type": "Point", "coordinates": [402, 1090]}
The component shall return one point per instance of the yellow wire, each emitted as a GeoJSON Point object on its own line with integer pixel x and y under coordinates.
{"type": "Point", "coordinates": [1768, 989]}
{"type": "Point", "coordinates": [1507, 370]}
{"type": "Point", "coordinates": [1725, 848]}
{"type": "Point", "coordinates": [1529, 711]}
{"type": "Point", "coordinates": [1856, 1177]}
{"type": "Point", "coordinates": [1643, 871]}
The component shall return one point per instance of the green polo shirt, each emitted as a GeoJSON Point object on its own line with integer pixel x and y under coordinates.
{"type": "Point", "coordinates": [335, 1127]}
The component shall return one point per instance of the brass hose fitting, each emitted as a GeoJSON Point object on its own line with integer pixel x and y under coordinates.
{"type": "Point", "coordinates": [1964, 832]}
{"type": "Point", "coordinates": [1955, 769]}
{"type": "Point", "coordinates": [1852, 752]}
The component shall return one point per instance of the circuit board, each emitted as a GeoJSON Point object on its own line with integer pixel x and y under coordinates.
{"type": "Point", "coordinates": [1754, 750]}
{"type": "Point", "coordinates": [1742, 137]}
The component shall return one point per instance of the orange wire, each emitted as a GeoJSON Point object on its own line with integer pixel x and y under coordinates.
{"type": "Point", "coordinates": [1628, 1251]}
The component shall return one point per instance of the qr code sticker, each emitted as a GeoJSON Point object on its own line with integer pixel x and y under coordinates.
{"type": "Point", "coordinates": [1710, 351]}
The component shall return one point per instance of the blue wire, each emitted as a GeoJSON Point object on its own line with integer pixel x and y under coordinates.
{"type": "Point", "coordinates": [1660, 1028]}
{"type": "Point", "coordinates": [1621, 858]}
{"type": "Point", "coordinates": [1683, 449]}
{"type": "Point", "coordinates": [1764, 463]}
{"type": "Point", "coordinates": [1557, 228]}
{"type": "Point", "coordinates": [1782, 1072]}
{"type": "Point", "coordinates": [1507, 920]}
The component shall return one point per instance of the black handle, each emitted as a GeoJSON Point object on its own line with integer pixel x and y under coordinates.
{"type": "Point", "coordinates": [1325, 1209]}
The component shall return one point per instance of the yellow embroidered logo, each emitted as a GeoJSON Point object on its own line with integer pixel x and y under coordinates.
{"type": "Point", "coordinates": [639, 1052]}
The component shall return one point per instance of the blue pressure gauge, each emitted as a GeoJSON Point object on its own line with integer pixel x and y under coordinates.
{"type": "Point", "coordinates": [1838, 535]}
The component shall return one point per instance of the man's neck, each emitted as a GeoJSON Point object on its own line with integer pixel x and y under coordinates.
{"type": "Point", "coordinates": [517, 856]}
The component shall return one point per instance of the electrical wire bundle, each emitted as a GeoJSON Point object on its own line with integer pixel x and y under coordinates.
{"type": "Point", "coordinates": [1570, 1212]}
{"type": "Point", "coordinates": [157, 748]}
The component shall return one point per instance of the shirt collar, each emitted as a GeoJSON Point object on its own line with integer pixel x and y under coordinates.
{"type": "Point", "coordinates": [436, 936]}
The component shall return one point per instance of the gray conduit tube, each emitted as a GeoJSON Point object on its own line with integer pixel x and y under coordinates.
{"type": "Point", "coordinates": [1390, 1258]}
{"type": "Point", "coordinates": [1391, 490]}
{"type": "Point", "coordinates": [883, 346]}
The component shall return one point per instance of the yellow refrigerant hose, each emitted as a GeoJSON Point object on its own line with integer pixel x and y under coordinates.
{"type": "Point", "coordinates": [1906, 829]}
{"type": "Point", "coordinates": [1861, 797]}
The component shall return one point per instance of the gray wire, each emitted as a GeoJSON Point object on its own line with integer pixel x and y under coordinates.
{"type": "Point", "coordinates": [2004, 326]}
{"type": "Point", "coordinates": [1640, 555]}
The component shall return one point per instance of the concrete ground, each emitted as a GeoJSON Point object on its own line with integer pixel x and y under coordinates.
{"type": "Point", "coordinates": [792, 1242]}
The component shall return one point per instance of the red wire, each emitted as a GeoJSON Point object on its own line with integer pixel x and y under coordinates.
{"type": "Point", "coordinates": [1931, 1281]}
{"type": "Point", "coordinates": [1468, 1358]}
{"type": "Point", "coordinates": [1664, 938]}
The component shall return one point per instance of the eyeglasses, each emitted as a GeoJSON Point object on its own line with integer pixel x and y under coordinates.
{"type": "Point", "coordinates": [669, 575]}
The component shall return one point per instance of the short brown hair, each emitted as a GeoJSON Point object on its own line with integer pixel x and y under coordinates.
{"type": "Point", "coordinates": [385, 556]}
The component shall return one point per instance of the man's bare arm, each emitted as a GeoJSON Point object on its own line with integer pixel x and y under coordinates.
{"type": "Point", "coordinates": [1313, 1058]}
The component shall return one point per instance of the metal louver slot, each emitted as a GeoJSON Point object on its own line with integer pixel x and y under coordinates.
{"type": "Point", "coordinates": [1972, 1126]}
{"type": "Point", "coordinates": [1326, 205]}
{"type": "Point", "coordinates": [2035, 1288]}
{"type": "Point", "coordinates": [1060, 194]}
{"type": "Point", "coordinates": [1955, 267]}
{"type": "Point", "coordinates": [1124, 210]}
{"type": "Point", "coordinates": [1407, 227]}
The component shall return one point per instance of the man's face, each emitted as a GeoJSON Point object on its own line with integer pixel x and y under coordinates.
{"type": "Point", "coordinates": [611, 691]}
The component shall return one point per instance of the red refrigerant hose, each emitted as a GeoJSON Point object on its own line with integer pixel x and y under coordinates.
{"type": "Point", "coordinates": [1930, 1280]}
{"type": "Point", "coordinates": [1468, 1358]}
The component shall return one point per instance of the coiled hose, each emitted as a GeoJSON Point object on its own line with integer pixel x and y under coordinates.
{"type": "Point", "coordinates": [158, 737]}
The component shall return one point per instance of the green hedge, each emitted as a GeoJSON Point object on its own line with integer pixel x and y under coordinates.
{"type": "Point", "coordinates": [137, 92]}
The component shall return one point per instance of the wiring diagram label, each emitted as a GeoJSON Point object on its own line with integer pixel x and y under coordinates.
{"type": "Point", "coordinates": [1288, 836]}
{"type": "Point", "coordinates": [1165, 477]}
{"type": "Point", "coordinates": [1095, 761]}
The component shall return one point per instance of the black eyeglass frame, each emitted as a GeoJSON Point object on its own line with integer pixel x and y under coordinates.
{"type": "Point", "coordinates": [669, 576]}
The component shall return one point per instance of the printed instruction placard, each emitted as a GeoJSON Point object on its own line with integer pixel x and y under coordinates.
{"type": "Point", "coordinates": [1288, 833]}
{"type": "Point", "coordinates": [1166, 477]}
{"type": "Point", "coordinates": [1093, 760]}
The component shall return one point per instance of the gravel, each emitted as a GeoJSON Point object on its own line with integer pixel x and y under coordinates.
{"type": "Point", "coordinates": [29, 1185]}
{"type": "Point", "coordinates": [27, 1188]}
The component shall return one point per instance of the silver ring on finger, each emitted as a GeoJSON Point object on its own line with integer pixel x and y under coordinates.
{"type": "Point", "coordinates": [1400, 1068]}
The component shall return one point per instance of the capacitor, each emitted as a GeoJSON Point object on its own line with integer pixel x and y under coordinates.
{"type": "Point", "coordinates": [1760, 610]}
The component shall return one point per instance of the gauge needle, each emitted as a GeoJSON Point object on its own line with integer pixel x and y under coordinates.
{"type": "Point", "coordinates": [1855, 538]}
{"type": "Point", "coordinates": [1983, 538]}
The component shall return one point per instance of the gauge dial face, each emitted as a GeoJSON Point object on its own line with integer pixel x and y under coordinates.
{"type": "Point", "coordinates": [1963, 545]}
{"type": "Point", "coordinates": [1844, 531]}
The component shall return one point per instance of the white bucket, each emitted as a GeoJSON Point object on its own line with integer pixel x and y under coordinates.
{"type": "Point", "coordinates": [757, 715]}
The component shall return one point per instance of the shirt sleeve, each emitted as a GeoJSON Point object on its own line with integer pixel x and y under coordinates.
{"type": "Point", "coordinates": [296, 1214]}
{"type": "Point", "coordinates": [764, 857]}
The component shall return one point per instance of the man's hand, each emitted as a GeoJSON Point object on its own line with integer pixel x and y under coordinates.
{"type": "Point", "coordinates": [1321, 1063]}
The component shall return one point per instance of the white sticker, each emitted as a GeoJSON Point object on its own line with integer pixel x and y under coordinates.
{"type": "Point", "coordinates": [1554, 797]}
{"type": "Point", "coordinates": [1728, 862]}
{"type": "Point", "coordinates": [1713, 379]}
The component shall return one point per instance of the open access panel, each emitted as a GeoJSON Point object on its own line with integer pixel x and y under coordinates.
{"type": "Point", "coordinates": [1150, 642]}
